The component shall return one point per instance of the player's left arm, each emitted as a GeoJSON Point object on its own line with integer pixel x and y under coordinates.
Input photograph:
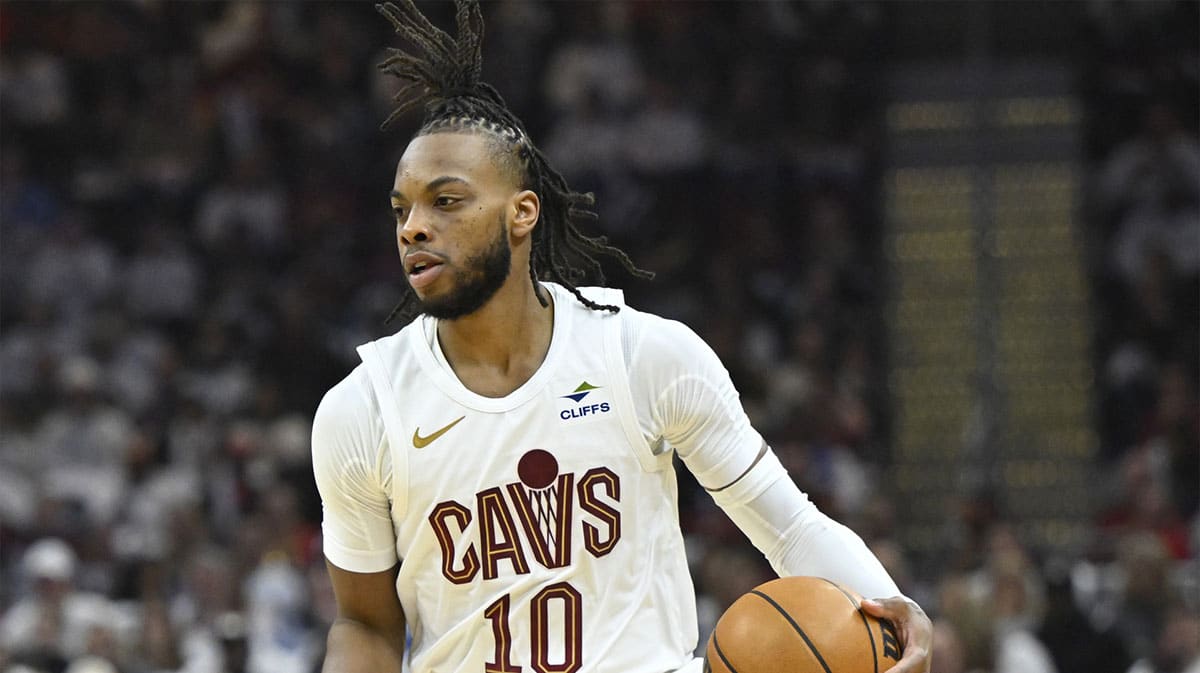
{"type": "Point", "coordinates": [798, 539]}
{"type": "Point", "coordinates": [698, 412]}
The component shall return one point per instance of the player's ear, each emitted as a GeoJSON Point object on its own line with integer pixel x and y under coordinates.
{"type": "Point", "coordinates": [526, 207]}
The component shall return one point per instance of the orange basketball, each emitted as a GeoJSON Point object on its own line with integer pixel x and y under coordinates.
{"type": "Point", "coordinates": [801, 625]}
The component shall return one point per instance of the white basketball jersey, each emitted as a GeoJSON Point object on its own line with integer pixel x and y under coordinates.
{"type": "Point", "coordinates": [538, 532]}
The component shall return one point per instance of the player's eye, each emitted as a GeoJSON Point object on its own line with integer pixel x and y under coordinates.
{"type": "Point", "coordinates": [399, 212]}
{"type": "Point", "coordinates": [443, 201]}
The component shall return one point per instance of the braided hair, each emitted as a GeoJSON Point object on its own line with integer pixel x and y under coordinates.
{"type": "Point", "coordinates": [443, 72]}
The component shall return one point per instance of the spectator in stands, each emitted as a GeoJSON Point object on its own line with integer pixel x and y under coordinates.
{"type": "Point", "coordinates": [1177, 647]}
{"type": "Point", "coordinates": [53, 622]}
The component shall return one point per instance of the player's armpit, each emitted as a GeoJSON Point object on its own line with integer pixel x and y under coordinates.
{"type": "Point", "coordinates": [368, 636]}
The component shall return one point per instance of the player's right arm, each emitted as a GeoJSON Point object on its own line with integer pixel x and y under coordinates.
{"type": "Point", "coordinates": [353, 471]}
{"type": "Point", "coordinates": [368, 635]}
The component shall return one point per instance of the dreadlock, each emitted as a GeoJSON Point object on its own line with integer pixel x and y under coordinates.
{"type": "Point", "coordinates": [444, 73]}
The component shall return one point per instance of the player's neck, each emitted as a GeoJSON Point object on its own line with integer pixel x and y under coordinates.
{"type": "Point", "coordinates": [498, 348]}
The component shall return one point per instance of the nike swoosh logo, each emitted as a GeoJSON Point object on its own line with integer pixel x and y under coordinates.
{"type": "Point", "coordinates": [422, 442]}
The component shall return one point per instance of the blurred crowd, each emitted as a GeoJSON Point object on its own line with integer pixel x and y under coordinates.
{"type": "Point", "coordinates": [195, 235]}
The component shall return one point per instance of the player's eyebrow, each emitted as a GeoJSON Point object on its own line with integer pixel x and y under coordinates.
{"type": "Point", "coordinates": [440, 181]}
{"type": "Point", "coordinates": [443, 181]}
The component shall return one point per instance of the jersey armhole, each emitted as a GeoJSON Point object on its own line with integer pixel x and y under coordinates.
{"type": "Point", "coordinates": [389, 410]}
{"type": "Point", "coordinates": [615, 355]}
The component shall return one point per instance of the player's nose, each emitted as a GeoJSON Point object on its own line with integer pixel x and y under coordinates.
{"type": "Point", "coordinates": [415, 229]}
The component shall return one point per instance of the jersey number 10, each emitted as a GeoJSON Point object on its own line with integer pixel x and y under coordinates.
{"type": "Point", "coordinates": [539, 632]}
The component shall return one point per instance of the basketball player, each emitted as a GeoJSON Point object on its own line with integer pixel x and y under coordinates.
{"type": "Point", "coordinates": [497, 476]}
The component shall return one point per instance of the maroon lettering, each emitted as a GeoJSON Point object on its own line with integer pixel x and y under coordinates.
{"type": "Point", "coordinates": [546, 518]}
{"type": "Point", "coordinates": [596, 543]}
{"type": "Point", "coordinates": [498, 535]}
{"type": "Point", "coordinates": [497, 613]}
{"type": "Point", "coordinates": [539, 614]}
{"type": "Point", "coordinates": [439, 519]}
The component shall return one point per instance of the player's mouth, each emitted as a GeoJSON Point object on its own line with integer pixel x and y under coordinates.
{"type": "Point", "coordinates": [422, 268]}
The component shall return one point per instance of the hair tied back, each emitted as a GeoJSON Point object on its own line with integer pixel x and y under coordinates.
{"type": "Point", "coordinates": [439, 66]}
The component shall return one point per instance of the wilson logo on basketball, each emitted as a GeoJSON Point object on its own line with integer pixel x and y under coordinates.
{"type": "Point", "coordinates": [583, 410]}
{"type": "Point", "coordinates": [530, 517]}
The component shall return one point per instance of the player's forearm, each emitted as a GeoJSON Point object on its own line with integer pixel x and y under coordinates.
{"type": "Point", "coordinates": [823, 547]}
{"type": "Point", "coordinates": [353, 647]}
{"type": "Point", "coordinates": [795, 536]}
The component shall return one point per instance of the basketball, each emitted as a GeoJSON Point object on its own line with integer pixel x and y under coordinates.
{"type": "Point", "coordinates": [800, 625]}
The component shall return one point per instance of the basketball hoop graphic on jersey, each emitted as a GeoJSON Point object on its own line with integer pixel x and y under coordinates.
{"type": "Point", "coordinates": [543, 503]}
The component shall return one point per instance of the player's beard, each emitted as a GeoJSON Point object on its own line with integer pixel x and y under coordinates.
{"type": "Point", "coordinates": [481, 277]}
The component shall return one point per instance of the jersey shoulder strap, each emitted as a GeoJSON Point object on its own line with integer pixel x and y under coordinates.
{"type": "Point", "coordinates": [374, 358]}
{"type": "Point", "coordinates": [613, 325]}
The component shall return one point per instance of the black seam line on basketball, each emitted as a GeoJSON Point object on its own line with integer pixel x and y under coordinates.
{"type": "Point", "coordinates": [858, 609]}
{"type": "Point", "coordinates": [811, 647]}
{"type": "Point", "coordinates": [724, 659]}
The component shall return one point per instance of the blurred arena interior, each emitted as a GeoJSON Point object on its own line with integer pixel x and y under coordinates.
{"type": "Point", "coordinates": [949, 252]}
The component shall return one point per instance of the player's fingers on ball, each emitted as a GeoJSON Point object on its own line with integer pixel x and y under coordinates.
{"type": "Point", "coordinates": [889, 608]}
{"type": "Point", "coordinates": [915, 631]}
{"type": "Point", "coordinates": [913, 661]}
{"type": "Point", "coordinates": [916, 624]}
{"type": "Point", "coordinates": [914, 651]}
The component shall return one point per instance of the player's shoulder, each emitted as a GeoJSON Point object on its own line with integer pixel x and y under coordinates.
{"type": "Point", "coordinates": [397, 343]}
{"type": "Point", "coordinates": [647, 339]}
{"type": "Point", "coordinates": [349, 406]}
{"type": "Point", "coordinates": [658, 323]}
{"type": "Point", "coordinates": [605, 296]}
{"type": "Point", "coordinates": [615, 297]}
{"type": "Point", "coordinates": [650, 338]}
{"type": "Point", "coordinates": [351, 392]}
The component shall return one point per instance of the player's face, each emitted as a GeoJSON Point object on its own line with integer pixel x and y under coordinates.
{"type": "Point", "coordinates": [451, 203]}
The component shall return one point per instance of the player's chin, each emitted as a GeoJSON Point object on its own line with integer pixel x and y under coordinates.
{"type": "Point", "coordinates": [430, 291]}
